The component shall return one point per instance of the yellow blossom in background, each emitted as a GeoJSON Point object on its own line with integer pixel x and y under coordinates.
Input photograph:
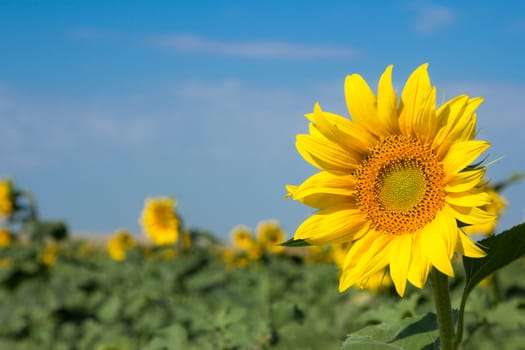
{"type": "Point", "coordinates": [5, 237]}
{"type": "Point", "coordinates": [87, 248]}
{"type": "Point", "coordinates": [339, 254]}
{"type": "Point", "coordinates": [168, 254]}
{"type": "Point", "coordinates": [6, 198]}
{"type": "Point", "coordinates": [269, 235]}
{"type": "Point", "coordinates": [228, 257]}
{"type": "Point", "coordinates": [496, 206]}
{"type": "Point", "coordinates": [255, 251]}
{"type": "Point", "coordinates": [394, 180]}
{"type": "Point", "coordinates": [6, 262]}
{"type": "Point", "coordinates": [234, 259]}
{"type": "Point", "coordinates": [318, 254]}
{"type": "Point", "coordinates": [119, 243]}
{"type": "Point", "coordinates": [241, 262]}
{"type": "Point", "coordinates": [159, 221]}
{"type": "Point", "coordinates": [49, 255]}
{"type": "Point", "coordinates": [242, 237]}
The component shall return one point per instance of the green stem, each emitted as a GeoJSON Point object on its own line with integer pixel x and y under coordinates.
{"type": "Point", "coordinates": [459, 330]}
{"type": "Point", "coordinates": [443, 309]}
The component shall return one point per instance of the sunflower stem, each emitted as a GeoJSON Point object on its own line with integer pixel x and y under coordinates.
{"type": "Point", "coordinates": [441, 292]}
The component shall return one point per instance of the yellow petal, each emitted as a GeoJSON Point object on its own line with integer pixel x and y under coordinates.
{"type": "Point", "coordinates": [448, 113]}
{"type": "Point", "coordinates": [465, 180]}
{"type": "Point", "coordinates": [373, 258]}
{"type": "Point", "coordinates": [325, 155]}
{"type": "Point", "coordinates": [387, 103]}
{"type": "Point", "coordinates": [462, 154]}
{"type": "Point", "coordinates": [324, 182]}
{"type": "Point", "coordinates": [365, 257]}
{"type": "Point", "coordinates": [400, 257]}
{"type": "Point", "coordinates": [333, 225]}
{"type": "Point", "coordinates": [461, 125]}
{"type": "Point", "coordinates": [468, 199]}
{"type": "Point", "coordinates": [471, 215]}
{"type": "Point", "coordinates": [438, 240]}
{"type": "Point", "coordinates": [324, 190]}
{"type": "Point", "coordinates": [340, 130]}
{"type": "Point", "coordinates": [362, 103]}
{"type": "Point", "coordinates": [465, 246]}
{"type": "Point", "coordinates": [419, 266]}
{"type": "Point", "coordinates": [417, 116]}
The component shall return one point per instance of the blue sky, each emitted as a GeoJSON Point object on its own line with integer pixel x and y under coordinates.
{"type": "Point", "coordinates": [106, 103]}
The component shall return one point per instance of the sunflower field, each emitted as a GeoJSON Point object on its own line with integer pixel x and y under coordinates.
{"type": "Point", "coordinates": [73, 295]}
{"type": "Point", "coordinates": [196, 292]}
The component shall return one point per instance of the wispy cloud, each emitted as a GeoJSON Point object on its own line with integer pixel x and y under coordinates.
{"type": "Point", "coordinates": [131, 131]}
{"type": "Point", "coordinates": [199, 45]}
{"type": "Point", "coordinates": [194, 44]}
{"type": "Point", "coordinates": [431, 18]}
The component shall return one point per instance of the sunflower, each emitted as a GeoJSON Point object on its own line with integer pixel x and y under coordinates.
{"type": "Point", "coordinates": [49, 255]}
{"type": "Point", "coordinates": [241, 236]}
{"type": "Point", "coordinates": [119, 243]}
{"type": "Point", "coordinates": [394, 181]}
{"type": "Point", "coordinates": [269, 235]}
{"type": "Point", "coordinates": [159, 220]}
{"type": "Point", "coordinates": [6, 199]}
{"type": "Point", "coordinates": [6, 238]}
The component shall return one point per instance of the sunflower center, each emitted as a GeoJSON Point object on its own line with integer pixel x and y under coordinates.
{"type": "Point", "coordinates": [400, 185]}
{"type": "Point", "coordinates": [402, 188]}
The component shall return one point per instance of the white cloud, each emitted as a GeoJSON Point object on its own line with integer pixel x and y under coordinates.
{"type": "Point", "coordinates": [134, 130]}
{"type": "Point", "coordinates": [194, 44]}
{"type": "Point", "coordinates": [198, 45]}
{"type": "Point", "coordinates": [432, 18]}
{"type": "Point", "coordinates": [38, 130]}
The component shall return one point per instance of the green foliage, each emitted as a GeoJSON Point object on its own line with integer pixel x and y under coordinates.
{"type": "Point", "coordinates": [501, 249]}
{"type": "Point", "coordinates": [39, 230]}
{"type": "Point", "coordinates": [409, 333]}
{"type": "Point", "coordinates": [192, 301]}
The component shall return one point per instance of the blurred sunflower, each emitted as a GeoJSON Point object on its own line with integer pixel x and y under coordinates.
{"type": "Point", "coordinates": [49, 255]}
{"type": "Point", "coordinates": [159, 221]}
{"type": "Point", "coordinates": [119, 243]}
{"type": "Point", "coordinates": [269, 235]}
{"type": "Point", "coordinates": [5, 237]}
{"type": "Point", "coordinates": [394, 180]}
{"type": "Point", "coordinates": [6, 198]}
{"type": "Point", "coordinates": [496, 206]}
{"type": "Point", "coordinates": [242, 237]}
{"type": "Point", "coordinates": [6, 262]}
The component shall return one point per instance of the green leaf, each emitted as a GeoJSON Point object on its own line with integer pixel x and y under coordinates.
{"type": "Point", "coordinates": [502, 249]}
{"type": "Point", "coordinates": [295, 243]}
{"type": "Point", "coordinates": [412, 333]}
{"type": "Point", "coordinates": [507, 314]}
{"type": "Point", "coordinates": [171, 337]}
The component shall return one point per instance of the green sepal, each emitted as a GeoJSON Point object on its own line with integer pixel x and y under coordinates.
{"type": "Point", "coordinates": [295, 243]}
